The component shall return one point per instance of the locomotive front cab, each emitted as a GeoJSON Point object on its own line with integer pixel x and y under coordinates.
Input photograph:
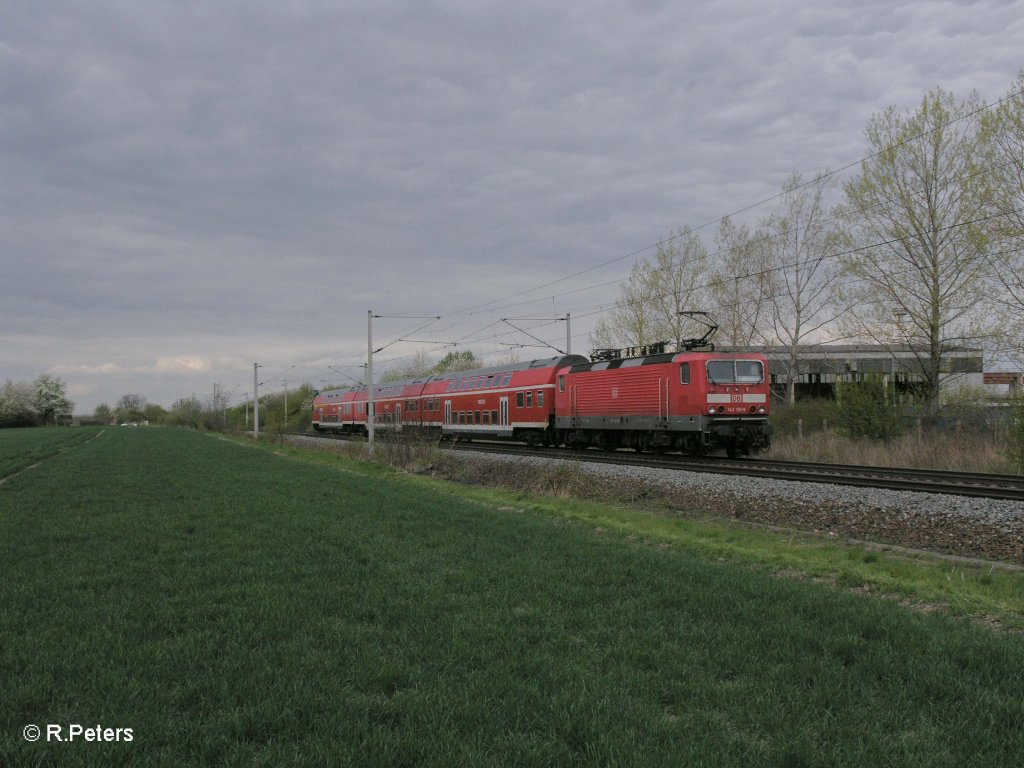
{"type": "Point", "coordinates": [737, 404]}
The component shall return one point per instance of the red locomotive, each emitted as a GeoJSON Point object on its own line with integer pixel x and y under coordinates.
{"type": "Point", "coordinates": [692, 401]}
{"type": "Point", "coordinates": [695, 402]}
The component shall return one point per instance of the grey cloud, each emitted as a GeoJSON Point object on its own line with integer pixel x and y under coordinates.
{"type": "Point", "coordinates": [226, 180]}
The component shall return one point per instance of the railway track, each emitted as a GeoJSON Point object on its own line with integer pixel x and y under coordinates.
{"type": "Point", "coordinates": [987, 486]}
{"type": "Point", "coordinates": [919, 481]}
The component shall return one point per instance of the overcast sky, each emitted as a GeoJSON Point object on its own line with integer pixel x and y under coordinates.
{"type": "Point", "coordinates": [189, 188]}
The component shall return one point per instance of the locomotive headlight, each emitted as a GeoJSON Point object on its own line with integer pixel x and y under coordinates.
{"type": "Point", "coordinates": [761, 409]}
{"type": "Point", "coordinates": [711, 409]}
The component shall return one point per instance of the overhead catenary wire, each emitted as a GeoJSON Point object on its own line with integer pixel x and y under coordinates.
{"type": "Point", "coordinates": [474, 336]}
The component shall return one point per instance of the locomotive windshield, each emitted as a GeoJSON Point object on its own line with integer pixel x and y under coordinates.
{"type": "Point", "coordinates": [735, 372]}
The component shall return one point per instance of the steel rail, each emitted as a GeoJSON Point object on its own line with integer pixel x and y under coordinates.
{"type": "Point", "coordinates": [989, 486]}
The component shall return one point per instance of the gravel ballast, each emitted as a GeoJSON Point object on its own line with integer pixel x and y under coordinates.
{"type": "Point", "coordinates": [961, 525]}
{"type": "Point", "coordinates": [957, 525]}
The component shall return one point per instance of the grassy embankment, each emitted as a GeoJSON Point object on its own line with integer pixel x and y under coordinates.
{"type": "Point", "coordinates": [236, 607]}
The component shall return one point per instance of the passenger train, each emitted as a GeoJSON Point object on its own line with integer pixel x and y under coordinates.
{"type": "Point", "coordinates": [692, 401]}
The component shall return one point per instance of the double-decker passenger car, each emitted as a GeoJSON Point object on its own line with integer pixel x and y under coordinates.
{"type": "Point", "coordinates": [513, 402]}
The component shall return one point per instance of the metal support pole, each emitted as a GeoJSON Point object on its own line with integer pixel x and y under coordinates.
{"type": "Point", "coordinates": [256, 400]}
{"type": "Point", "coordinates": [568, 334]}
{"type": "Point", "coordinates": [369, 380]}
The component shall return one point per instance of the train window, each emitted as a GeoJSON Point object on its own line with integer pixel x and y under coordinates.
{"type": "Point", "coordinates": [529, 399]}
{"type": "Point", "coordinates": [684, 373]}
{"type": "Point", "coordinates": [476, 417]}
{"type": "Point", "coordinates": [749, 372]}
{"type": "Point", "coordinates": [540, 399]}
{"type": "Point", "coordinates": [487, 417]}
{"type": "Point", "coordinates": [720, 372]}
{"type": "Point", "coordinates": [494, 417]}
{"type": "Point", "coordinates": [561, 383]}
{"type": "Point", "coordinates": [735, 372]}
{"type": "Point", "coordinates": [506, 379]}
{"type": "Point", "coordinates": [519, 399]}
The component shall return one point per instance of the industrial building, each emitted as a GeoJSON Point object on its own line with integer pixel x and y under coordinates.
{"type": "Point", "coordinates": [821, 367]}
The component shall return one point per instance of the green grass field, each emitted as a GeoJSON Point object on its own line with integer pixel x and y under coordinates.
{"type": "Point", "coordinates": [23, 448]}
{"type": "Point", "coordinates": [236, 607]}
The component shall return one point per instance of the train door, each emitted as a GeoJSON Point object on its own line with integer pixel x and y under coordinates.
{"type": "Point", "coordinates": [447, 412]}
{"type": "Point", "coordinates": [398, 416]}
{"type": "Point", "coordinates": [503, 412]}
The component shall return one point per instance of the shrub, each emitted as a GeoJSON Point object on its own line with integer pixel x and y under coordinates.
{"type": "Point", "coordinates": [407, 450]}
{"type": "Point", "coordinates": [1015, 438]}
{"type": "Point", "coordinates": [864, 410]}
{"type": "Point", "coordinates": [804, 416]}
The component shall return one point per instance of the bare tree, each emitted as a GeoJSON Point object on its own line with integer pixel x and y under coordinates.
{"type": "Point", "coordinates": [679, 278]}
{"type": "Point", "coordinates": [631, 321]}
{"type": "Point", "coordinates": [130, 407]}
{"type": "Point", "coordinates": [800, 242]}
{"type": "Point", "coordinates": [739, 286]}
{"type": "Point", "coordinates": [1002, 131]}
{"type": "Point", "coordinates": [657, 291]}
{"type": "Point", "coordinates": [420, 365]}
{"type": "Point", "coordinates": [917, 208]}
